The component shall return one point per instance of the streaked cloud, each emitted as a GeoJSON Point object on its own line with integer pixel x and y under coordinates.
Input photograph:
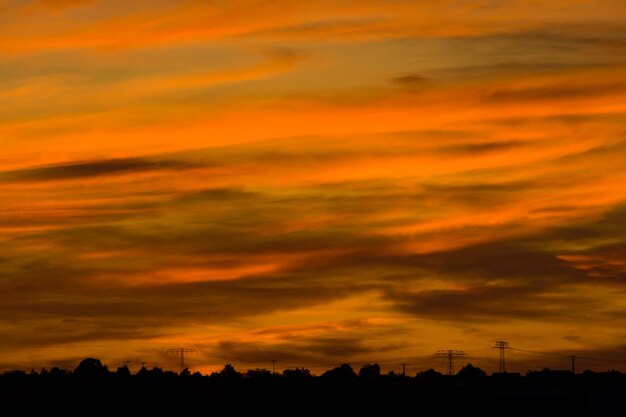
{"type": "Point", "coordinates": [310, 181]}
{"type": "Point", "coordinates": [86, 169]}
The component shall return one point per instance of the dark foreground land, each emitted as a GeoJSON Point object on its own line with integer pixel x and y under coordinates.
{"type": "Point", "coordinates": [296, 391]}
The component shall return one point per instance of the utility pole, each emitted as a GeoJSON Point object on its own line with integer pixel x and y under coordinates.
{"type": "Point", "coordinates": [450, 354]}
{"type": "Point", "coordinates": [404, 368]}
{"type": "Point", "coordinates": [182, 352]}
{"type": "Point", "coordinates": [573, 357]}
{"type": "Point", "coordinates": [273, 365]}
{"type": "Point", "coordinates": [502, 345]}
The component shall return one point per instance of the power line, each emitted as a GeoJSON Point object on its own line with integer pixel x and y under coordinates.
{"type": "Point", "coordinates": [562, 355]}
{"type": "Point", "coordinates": [554, 354]}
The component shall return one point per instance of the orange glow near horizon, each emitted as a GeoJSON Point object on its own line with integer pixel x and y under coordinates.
{"type": "Point", "coordinates": [318, 182]}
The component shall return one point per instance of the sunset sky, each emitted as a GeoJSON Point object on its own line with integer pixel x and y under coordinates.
{"type": "Point", "coordinates": [316, 182]}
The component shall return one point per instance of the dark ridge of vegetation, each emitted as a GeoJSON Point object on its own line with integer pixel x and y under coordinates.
{"type": "Point", "coordinates": [471, 390]}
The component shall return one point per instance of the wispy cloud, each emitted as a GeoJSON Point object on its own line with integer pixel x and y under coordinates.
{"type": "Point", "coordinates": [309, 180]}
{"type": "Point", "coordinates": [86, 169]}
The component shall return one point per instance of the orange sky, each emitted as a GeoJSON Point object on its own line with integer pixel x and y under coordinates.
{"type": "Point", "coordinates": [314, 182]}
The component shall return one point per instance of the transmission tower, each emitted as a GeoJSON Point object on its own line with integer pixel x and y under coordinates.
{"type": "Point", "coordinates": [404, 368]}
{"type": "Point", "coordinates": [182, 352]}
{"type": "Point", "coordinates": [573, 357]}
{"type": "Point", "coordinates": [502, 345]}
{"type": "Point", "coordinates": [273, 365]}
{"type": "Point", "coordinates": [450, 355]}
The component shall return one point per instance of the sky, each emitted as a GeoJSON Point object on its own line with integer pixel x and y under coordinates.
{"type": "Point", "coordinates": [314, 182]}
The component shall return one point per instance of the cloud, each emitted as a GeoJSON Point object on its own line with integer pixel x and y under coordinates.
{"type": "Point", "coordinates": [410, 81]}
{"type": "Point", "coordinates": [95, 168]}
{"type": "Point", "coordinates": [484, 147]}
{"type": "Point", "coordinates": [523, 278]}
{"type": "Point", "coordinates": [63, 332]}
{"type": "Point", "coordinates": [492, 304]}
{"type": "Point", "coordinates": [203, 174]}
{"type": "Point", "coordinates": [299, 352]}
{"type": "Point", "coordinates": [556, 92]}
{"type": "Point", "coordinates": [67, 295]}
{"type": "Point", "coordinates": [360, 29]}
{"type": "Point", "coordinates": [63, 4]}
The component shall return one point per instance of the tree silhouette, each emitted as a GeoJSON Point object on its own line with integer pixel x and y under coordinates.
{"type": "Point", "coordinates": [297, 373]}
{"type": "Point", "coordinates": [470, 372]}
{"type": "Point", "coordinates": [123, 372]}
{"type": "Point", "coordinates": [258, 374]}
{"type": "Point", "coordinates": [370, 371]}
{"type": "Point", "coordinates": [91, 369]}
{"type": "Point", "coordinates": [229, 372]}
{"type": "Point", "coordinates": [344, 372]}
{"type": "Point", "coordinates": [428, 376]}
{"type": "Point", "coordinates": [547, 392]}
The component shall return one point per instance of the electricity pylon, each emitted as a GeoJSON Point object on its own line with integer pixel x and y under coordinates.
{"type": "Point", "coordinates": [450, 354]}
{"type": "Point", "coordinates": [502, 345]}
{"type": "Point", "coordinates": [182, 352]}
{"type": "Point", "coordinates": [404, 368]}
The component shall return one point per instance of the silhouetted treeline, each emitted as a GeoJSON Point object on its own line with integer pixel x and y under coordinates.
{"type": "Point", "coordinates": [471, 390]}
